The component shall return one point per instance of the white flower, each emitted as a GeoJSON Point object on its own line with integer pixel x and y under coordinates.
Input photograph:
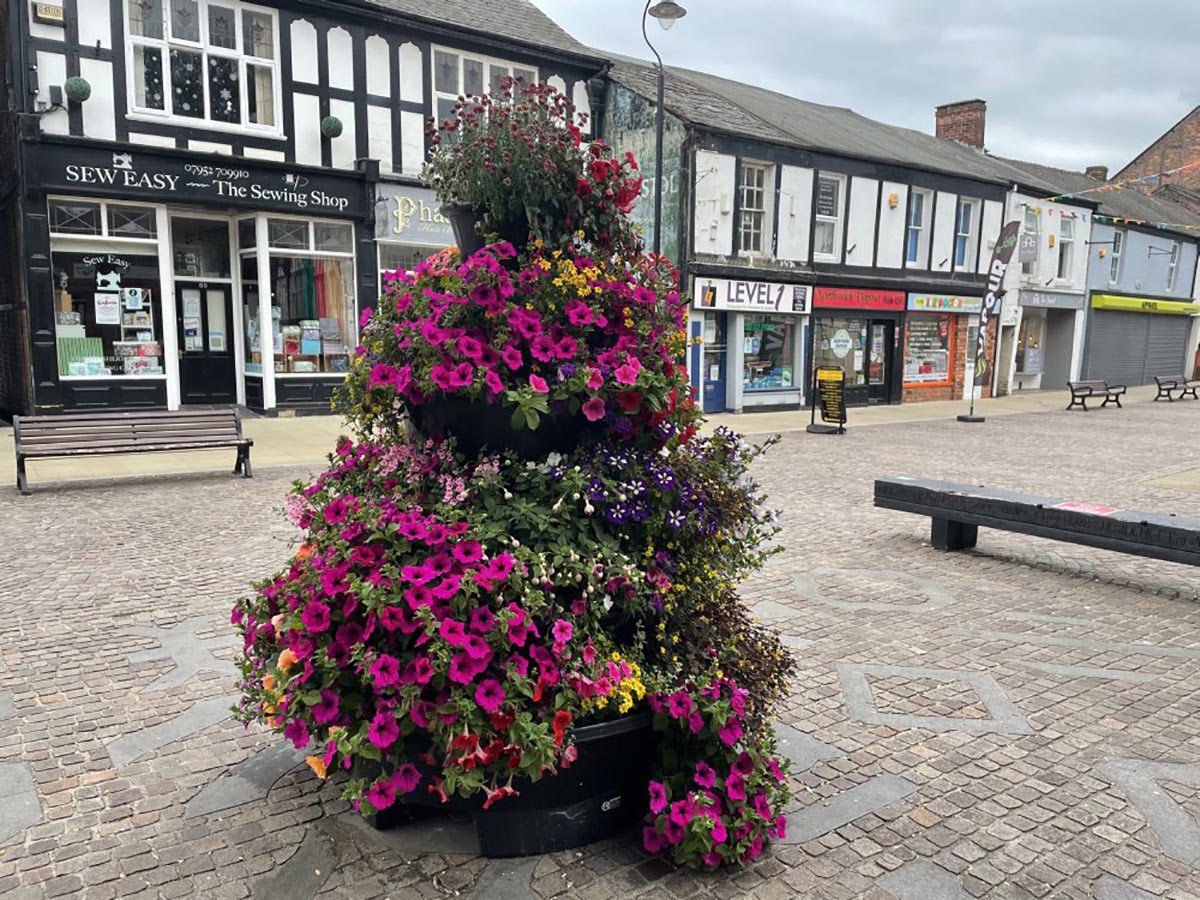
{"type": "Point", "coordinates": [553, 459]}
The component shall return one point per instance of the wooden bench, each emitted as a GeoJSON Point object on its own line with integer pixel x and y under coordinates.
{"type": "Point", "coordinates": [1168, 383]}
{"type": "Point", "coordinates": [959, 510]}
{"type": "Point", "coordinates": [95, 434]}
{"type": "Point", "coordinates": [1081, 391]}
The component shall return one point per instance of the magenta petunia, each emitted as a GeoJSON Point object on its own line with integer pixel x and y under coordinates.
{"type": "Point", "coordinates": [326, 711]}
{"type": "Point", "coordinates": [385, 671]}
{"type": "Point", "coordinates": [595, 380]}
{"type": "Point", "coordinates": [593, 409]}
{"type": "Point", "coordinates": [335, 511]}
{"type": "Point", "coordinates": [658, 797]}
{"type": "Point", "coordinates": [652, 840]}
{"type": "Point", "coordinates": [705, 776]}
{"type": "Point", "coordinates": [381, 794]}
{"type": "Point", "coordinates": [481, 620]}
{"type": "Point", "coordinates": [626, 374]}
{"type": "Point", "coordinates": [744, 764]}
{"type": "Point", "coordinates": [315, 617]}
{"type": "Point", "coordinates": [735, 787]}
{"type": "Point", "coordinates": [512, 357]}
{"type": "Point", "coordinates": [673, 832]}
{"type": "Point", "coordinates": [422, 670]}
{"type": "Point", "coordinates": [391, 617]}
{"type": "Point", "coordinates": [566, 348]}
{"type": "Point", "coordinates": [490, 695]}
{"type": "Point", "coordinates": [384, 375]}
{"type": "Point", "coordinates": [493, 382]}
{"type": "Point", "coordinates": [296, 731]}
{"type": "Point", "coordinates": [464, 669]}
{"type": "Point", "coordinates": [731, 732]}
{"type": "Point", "coordinates": [719, 833]}
{"type": "Point", "coordinates": [468, 552]}
{"type": "Point", "coordinates": [682, 812]}
{"type": "Point", "coordinates": [406, 779]}
{"type": "Point", "coordinates": [538, 383]}
{"type": "Point", "coordinates": [461, 376]}
{"type": "Point", "coordinates": [477, 648]}
{"type": "Point", "coordinates": [542, 348]}
{"type": "Point", "coordinates": [452, 632]}
{"type": "Point", "coordinates": [383, 730]}
{"type": "Point", "coordinates": [562, 631]}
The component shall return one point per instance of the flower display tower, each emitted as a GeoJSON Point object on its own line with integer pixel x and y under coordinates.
{"type": "Point", "coordinates": [516, 594]}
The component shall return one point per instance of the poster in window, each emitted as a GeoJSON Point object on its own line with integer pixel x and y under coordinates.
{"type": "Point", "coordinates": [191, 305]}
{"type": "Point", "coordinates": [133, 298]}
{"type": "Point", "coordinates": [827, 198]}
{"type": "Point", "coordinates": [108, 309]}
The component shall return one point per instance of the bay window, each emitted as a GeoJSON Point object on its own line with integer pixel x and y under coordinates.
{"type": "Point", "coordinates": [210, 61]}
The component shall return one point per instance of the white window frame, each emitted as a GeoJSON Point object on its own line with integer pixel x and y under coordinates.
{"type": "Point", "coordinates": [1173, 266]}
{"type": "Point", "coordinates": [167, 42]}
{"type": "Point", "coordinates": [1066, 249]}
{"type": "Point", "coordinates": [968, 238]}
{"type": "Point", "coordinates": [1118, 252]}
{"type": "Point", "coordinates": [463, 55]}
{"type": "Point", "coordinates": [1032, 218]}
{"type": "Point", "coordinates": [763, 228]}
{"type": "Point", "coordinates": [921, 228]}
{"type": "Point", "coordinates": [838, 221]}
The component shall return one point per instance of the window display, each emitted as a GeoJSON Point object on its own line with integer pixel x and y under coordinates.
{"type": "Point", "coordinates": [770, 353]}
{"type": "Point", "coordinates": [928, 350]}
{"type": "Point", "coordinates": [842, 343]}
{"type": "Point", "coordinates": [313, 315]}
{"type": "Point", "coordinates": [1029, 350]}
{"type": "Point", "coordinates": [105, 315]}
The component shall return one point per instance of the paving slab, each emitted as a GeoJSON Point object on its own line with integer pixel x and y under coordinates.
{"type": "Point", "coordinates": [20, 807]}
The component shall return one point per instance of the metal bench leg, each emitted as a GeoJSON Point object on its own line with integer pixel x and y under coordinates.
{"type": "Point", "coordinates": [246, 463]}
{"type": "Point", "coordinates": [22, 479]}
{"type": "Point", "coordinates": [948, 535]}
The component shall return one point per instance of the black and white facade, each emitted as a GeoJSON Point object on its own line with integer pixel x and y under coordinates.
{"type": "Point", "coordinates": [206, 225]}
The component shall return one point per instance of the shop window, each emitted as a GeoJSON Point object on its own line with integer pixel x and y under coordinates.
{"type": "Point", "coordinates": [455, 74]}
{"type": "Point", "coordinates": [105, 315]}
{"type": "Point", "coordinates": [73, 217]}
{"type": "Point", "coordinates": [827, 230]}
{"type": "Point", "coordinates": [219, 66]}
{"type": "Point", "coordinates": [247, 234]}
{"type": "Point", "coordinates": [770, 353]}
{"type": "Point", "coordinates": [1030, 358]}
{"type": "Point", "coordinates": [288, 234]}
{"type": "Point", "coordinates": [333, 237]}
{"type": "Point", "coordinates": [964, 235]}
{"type": "Point", "coordinates": [1173, 266]}
{"type": "Point", "coordinates": [252, 323]}
{"type": "Point", "coordinates": [928, 350]}
{"type": "Point", "coordinates": [842, 343]}
{"type": "Point", "coordinates": [1118, 250]}
{"type": "Point", "coordinates": [402, 257]}
{"type": "Point", "coordinates": [1066, 248]}
{"type": "Point", "coordinates": [201, 247]}
{"type": "Point", "coordinates": [917, 235]}
{"type": "Point", "coordinates": [753, 233]}
{"type": "Point", "coordinates": [313, 300]}
{"type": "Point", "coordinates": [1032, 226]}
{"type": "Point", "coordinates": [132, 221]}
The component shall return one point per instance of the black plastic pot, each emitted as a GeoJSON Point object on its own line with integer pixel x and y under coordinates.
{"type": "Point", "coordinates": [476, 425]}
{"type": "Point", "coordinates": [602, 793]}
{"type": "Point", "coordinates": [463, 218]}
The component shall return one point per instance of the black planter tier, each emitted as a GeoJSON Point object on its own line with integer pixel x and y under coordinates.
{"type": "Point", "coordinates": [462, 218]}
{"type": "Point", "coordinates": [475, 425]}
{"type": "Point", "coordinates": [601, 794]}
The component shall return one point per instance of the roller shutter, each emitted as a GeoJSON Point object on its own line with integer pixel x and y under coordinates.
{"type": "Point", "coordinates": [1166, 346]}
{"type": "Point", "coordinates": [1117, 347]}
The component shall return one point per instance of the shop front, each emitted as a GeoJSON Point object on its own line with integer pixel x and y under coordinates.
{"type": "Point", "coordinates": [159, 280]}
{"type": "Point", "coordinates": [751, 352]}
{"type": "Point", "coordinates": [1132, 339]}
{"type": "Point", "coordinates": [1049, 340]}
{"type": "Point", "coordinates": [408, 226]}
{"type": "Point", "coordinates": [937, 340]}
{"type": "Point", "coordinates": [858, 330]}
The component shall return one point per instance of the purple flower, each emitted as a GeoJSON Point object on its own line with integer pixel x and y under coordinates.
{"type": "Point", "coordinates": [730, 732]}
{"type": "Point", "coordinates": [482, 620]}
{"type": "Point", "coordinates": [335, 511]}
{"type": "Point", "coordinates": [406, 779]}
{"type": "Point", "coordinates": [652, 840]}
{"type": "Point", "coordinates": [658, 797]}
{"type": "Point", "coordinates": [562, 631]}
{"type": "Point", "coordinates": [385, 671]}
{"type": "Point", "coordinates": [296, 731]}
{"type": "Point", "coordinates": [468, 552]}
{"type": "Point", "coordinates": [315, 617]}
{"type": "Point", "coordinates": [381, 794]}
{"type": "Point", "coordinates": [705, 776]}
{"type": "Point", "coordinates": [384, 730]}
{"type": "Point", "coordinates": [490, 695]}
{"type": "Point", "coordinates": [744, 764]}
{"type": "Point", "coordinates": [682, 812]}
{"type": "Point", "coordinates": [327, 710]}
{"type": "Point", "coordinates": [735, 787]}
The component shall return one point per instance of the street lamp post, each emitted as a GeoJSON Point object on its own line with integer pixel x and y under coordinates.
{"type": "Point", "coordinates": [667, 12]}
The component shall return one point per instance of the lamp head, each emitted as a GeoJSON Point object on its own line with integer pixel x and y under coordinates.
{"type": "Point", "coordinates": [668, 12]}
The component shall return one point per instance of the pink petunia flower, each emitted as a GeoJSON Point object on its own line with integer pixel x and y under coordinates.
{"type": "Point", "coordinates": [626, 374]}
{"type": "Point", "coordinates": [538, 383]}
{"type": "Point", "coordinates": [385, 671]}
{"type": "Point", "coordinates": [490, 695]}
{"type": "Point", "coordinates": [735, 787]}
{"type": "Point", "coordinates": [383, 730]}
{"type": "Point", "coordinates": [315, 617]}
{"type": "Point", "coordinates": [652, 840]}
{"type": "Point", "coordinates": [731, 732]}
{"type": "Point", "coordinates": [705, 776]}
{"type": "Point", "coordinates": [658, 797]}
{"type": "Point", "coordinates": [406, 779]}
{"type": "Point", "coordinates": [593, 409]}
{"type": "Point", "coordinates": [595, 380]}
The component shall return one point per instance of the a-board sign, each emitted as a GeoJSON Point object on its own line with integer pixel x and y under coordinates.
{"type": "Point", "coordinates": [830, 394]}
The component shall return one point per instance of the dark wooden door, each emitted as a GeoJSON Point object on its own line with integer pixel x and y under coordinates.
{"type": "Point", "coordinates": [206, 360]}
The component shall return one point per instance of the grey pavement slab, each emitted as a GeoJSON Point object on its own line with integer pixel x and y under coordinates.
{"type": "Point", "coordinates": [804, 750]}
{"type": "Point", "coordinates": [807, 587]}
{"type": "Point", "coordinates": [770, 610]}
{"type": "Point", "coordinates": [1039, 619]}
{"type": "Point", "coordinates": [1050, 640]}
{"type": "Point", "coordinates": [428, 834]}
{"type": "Point", "coordinates": [20, 807]}
{"type": "Point", "coordinates": [1110, 888]}
{"type": "Point", "coordinates": [304, 873]}
{"type": "Point", "coordinates": [203, 714]}
{"type": "Point", "coordinates": [247, 782]}
{"type": "Point", "coordinates": [1140, 781]}
{"type": "Point", "coordinates": [7, 710]}
{"type": "Point", "coordinates": [1004, 718]}
{"type": "Point", "coordinates": [823, 816]}
{"type": "Point", "coordinates": [796, 643]}
{"type": "Point", "coordinates": [181, 645]}
{"type": "Point", "coordinates": [922, 880]}
{"type": "Point", "coordinates": [505, 879]}
{"type": "Point", "coordinates": [1089, 672]}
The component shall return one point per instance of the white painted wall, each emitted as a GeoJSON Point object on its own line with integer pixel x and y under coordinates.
{"type": "Point", "coordinates": [379, 66]}
{"type": "Point", "coordinates": [557, 83]}
{"type": "Point", "coordinates": [412, 142]}
{"type": "Point", "coordinates": [582, 104]}
{"type": "Point", "coordinates": [152, 140]}
{"type": "Point", "coordinates": [943, 232]}
{"type": "Point", "coordinates": [993, 221]}
{"type": "Point", "coordinates": [862, 214]}
{"type": "Point", "coordinates": [341, 59]}
{"type": "Point", "coordinates": [306, 126]}
{"type": "Point", "coordinates": [304, 52]}
{"type": "Point", "coordinates": [379, 136]}
{"type": "Point", "coordinates": [52, 70]}
{"type": "Point", "coordinates": [94, 21]}
{"type": "Point", "coordinates": [795, 213]}
{"type": "Point", "coordinates": [272, 155]}
{"type": "Point", "coordinates": [99, 112]}
{"type": "Point", "coordinates": [715, 185]}
{"type": "Point", "coordinates": [345, 146]}
{"type": "Point", "coordinates": [892, 225]}
{"type": "Point", "coordinates": [210, 147]}
{"type": "Point", "coordinates": [412, 78]}
{"type": "Point", "coordinates": [1046, 268]}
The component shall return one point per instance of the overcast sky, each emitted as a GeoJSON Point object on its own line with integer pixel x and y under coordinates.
{"type": "Point", "coordinates": [1068, 84]}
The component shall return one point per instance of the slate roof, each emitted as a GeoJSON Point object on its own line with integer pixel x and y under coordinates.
{"type": "Point", "coordinates": [729, 107]}
{"type": "Point", "coordinates": [518, 21]}
{"type": "Point", "coordinates": [1126, 203]}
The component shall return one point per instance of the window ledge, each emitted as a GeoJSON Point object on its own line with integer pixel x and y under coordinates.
{"type": "Point", "coordinates": [217, 128]}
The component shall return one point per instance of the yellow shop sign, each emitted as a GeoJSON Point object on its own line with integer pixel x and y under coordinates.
{"type": "Point", "coordinates": [1145, 305]}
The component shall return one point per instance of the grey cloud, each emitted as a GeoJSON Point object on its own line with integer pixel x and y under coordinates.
{"type": "Point", "coordinates": [1067, 84]}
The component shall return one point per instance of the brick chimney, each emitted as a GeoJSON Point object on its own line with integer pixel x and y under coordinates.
{"type": "Point", "coordinates": [1100, 173]}
{"type": "Point", "coordinates": [963, 122]}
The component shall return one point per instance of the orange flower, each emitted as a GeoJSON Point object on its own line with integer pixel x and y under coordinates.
{"type": "Point", "coordinates": [271, 710]}
{"type": "Point", "coordinates": [317, 764]}
{"type": "Point", "coordinates": [268, 682]}
{"type": "Point", "coordinates": [287, 659]}
{"type": "Point", "coordinates": [305, 551]}
{"type": "Point", "coordinates": [277, 622]}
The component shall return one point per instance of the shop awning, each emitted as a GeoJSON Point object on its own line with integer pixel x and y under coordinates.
{"type": "Point", "coordinates": [1145, 305]}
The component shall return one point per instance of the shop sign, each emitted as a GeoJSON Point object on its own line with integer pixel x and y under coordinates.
{"type": "Point", "coordinates": [751, 296]}
{"type": "Point", "coordinates": [170, 179]}
{"type": "Point", "coordinates": [944, 303]}
{"type": "Point", "coordinates": [1050, 300]}
{"type": "Point", "coordinates": [49, 13]}
{"type": "Point", "coordinates": [410, 215]}
{"type": "Point", "coordinates": [1027, 247]}
{"type": "Point", "coordinates": [830, 396]}
{"type": "Point", "coordinates": [1145, 305]}
{"type": "Point", "coordinates": [858, 298]}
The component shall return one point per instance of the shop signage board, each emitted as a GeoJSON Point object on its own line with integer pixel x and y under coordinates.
{"type": "Point", "coordinates": [1001, 256]}
{"type": "Point", "coordinates": [410, 215]}
{"type": "Point", "coordinates": [830, 395]}
{"type": "Point", "coordinates": [858, 298]}
{"type": "Point", "coordinates": [1050, 300]}
{"type": "Point", "coordinates": [945, 303]}
{"type": "Point", "coordinates": [1027, 248]}
{"type": "Point", "coordinates": [1145, 305]}
{"type": "Point", "coordinates": [132, 175]}
{"type": "Point", "coordinates": [752, 296]}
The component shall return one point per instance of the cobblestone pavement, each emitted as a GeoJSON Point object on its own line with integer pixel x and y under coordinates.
{"type": "Point", "coordinates": [1017, 721]}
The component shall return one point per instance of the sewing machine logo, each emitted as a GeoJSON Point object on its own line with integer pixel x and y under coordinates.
{"type": "Point", "coordinates": [123, 161]}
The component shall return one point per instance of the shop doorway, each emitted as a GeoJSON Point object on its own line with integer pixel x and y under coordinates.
{"type": "Point", "coordinates": [881, 344]}
{"type": "Point", "coordinates": [715, 341]}
{"type": "Point", "coordinates": [206, 360]}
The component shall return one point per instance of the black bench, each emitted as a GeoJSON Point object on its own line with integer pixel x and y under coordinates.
{"type": "Point", "coordinates": [1168, 383]}
{"type": "Point", "coordinates": [1081, 391]}
{"type": "Point", "coordinates": [958, 511]}
{"type": "Point", "coordinates": [95, 434]}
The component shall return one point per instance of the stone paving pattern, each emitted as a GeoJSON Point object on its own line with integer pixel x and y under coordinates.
{"type": "Point", "coordinates": [1098, 799]}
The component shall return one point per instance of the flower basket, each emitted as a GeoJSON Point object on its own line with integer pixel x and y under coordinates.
{"type": "Point", "coordinates": [476, 425]}
{"type": "Point", "coordinates": [463, 219]}
{"type": "Point", "coordinates": [602, 793]}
